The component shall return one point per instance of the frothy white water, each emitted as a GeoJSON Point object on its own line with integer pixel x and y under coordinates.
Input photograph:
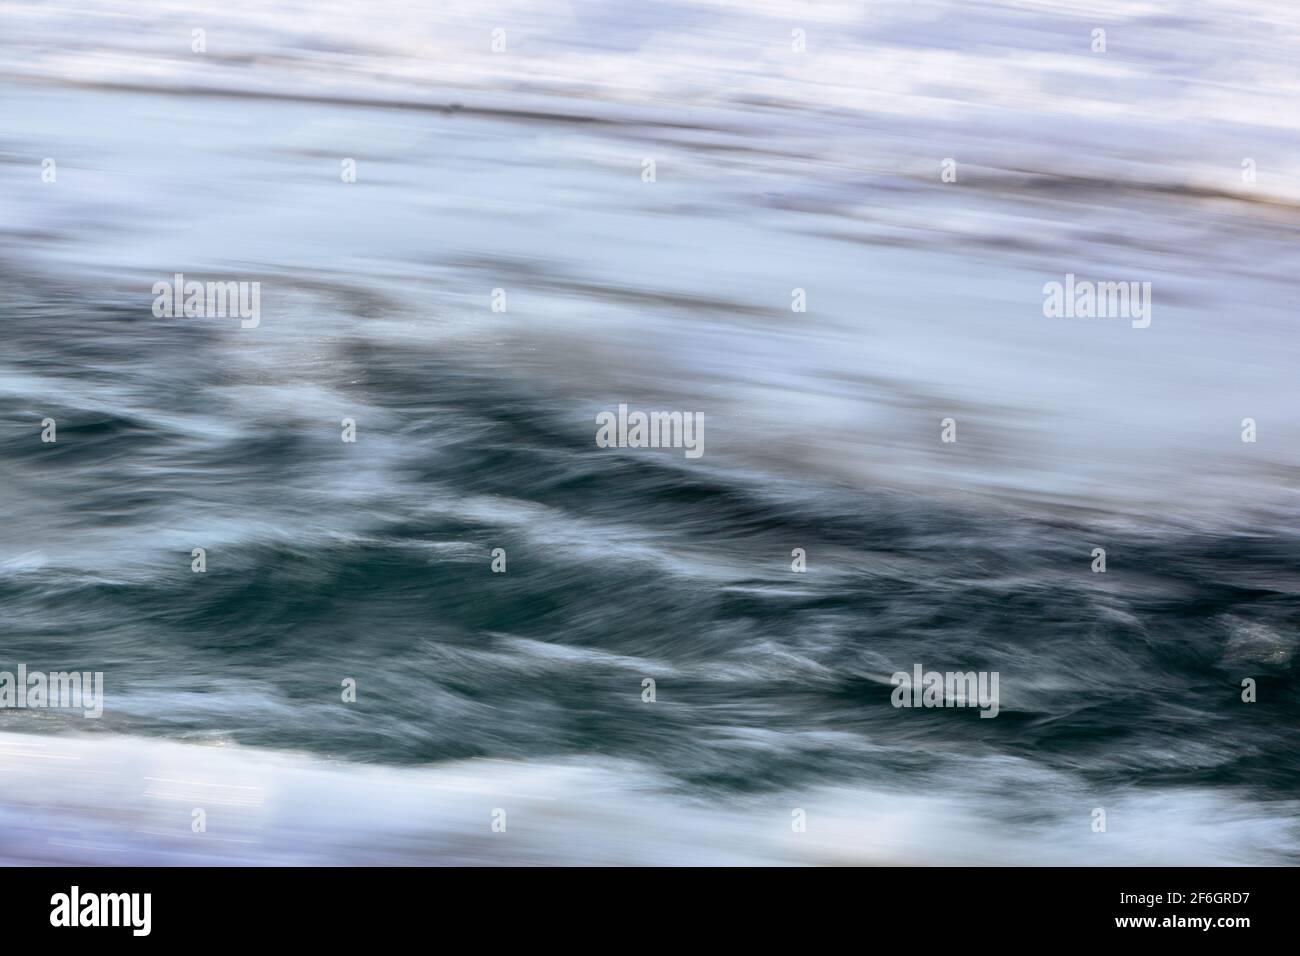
{"type": "Point", "coordinates": [776, 170]}
{"type": "Point", "coordinates": [119, 800]}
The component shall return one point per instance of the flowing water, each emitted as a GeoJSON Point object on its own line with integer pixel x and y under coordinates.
{"type": "Point", "coordinates": [522, 170]}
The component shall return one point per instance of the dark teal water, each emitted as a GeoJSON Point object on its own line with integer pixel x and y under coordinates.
{"type": "Point", "coordinates": [621, 565]}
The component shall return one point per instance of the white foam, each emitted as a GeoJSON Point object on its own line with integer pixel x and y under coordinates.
{"type": "Point", "coordinates": [102, 799]}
